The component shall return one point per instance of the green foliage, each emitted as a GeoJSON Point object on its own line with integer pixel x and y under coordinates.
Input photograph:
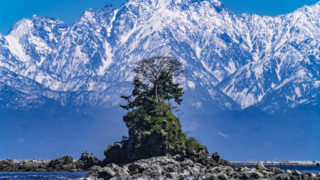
{"type": "Point", "coordinates": [159, 120]}
{"type": "Point", "coordinates": [192, 145]}
{"type": "Point", "coordinates": [150, 103]}
{"type": "Point", "coordinates": [154, 82]}
{"type": "Point", "coordinates": [140, 95]}
{"type": "Point", "coordinates": [168, 90]}
{"type": "Point", "coordinates": [150, 120]}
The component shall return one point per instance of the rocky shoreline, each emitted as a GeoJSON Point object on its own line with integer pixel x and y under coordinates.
{"type": "Point", "coordinates": [64, 164]}
{"type": "Point", "coordinates": [276, 163]}
{"type": "Point", "coordinates": [162, 167]}
{"type": "Point", "coordinates": [176, 167]}
{"type": "Point", "coordinates": [172, 167]}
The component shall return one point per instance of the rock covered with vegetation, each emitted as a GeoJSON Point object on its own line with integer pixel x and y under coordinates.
{"type": "Point", "coordinates": [153, 128]}
{"type": "Point", "coordinates": [152, 135]}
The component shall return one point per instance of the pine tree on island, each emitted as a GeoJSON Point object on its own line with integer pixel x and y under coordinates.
{"type": "Point", "coordinates": [153, 128]}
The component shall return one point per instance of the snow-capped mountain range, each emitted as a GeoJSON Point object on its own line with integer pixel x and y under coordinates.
{"type": "Point", "coordinates": [233, 61]}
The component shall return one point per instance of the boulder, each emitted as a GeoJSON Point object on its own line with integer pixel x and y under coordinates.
{"type": "Point", "coordinates": [136, 168]}
{"type": "Point", "coordinates": [7, 165]}
{"type": "Point", "coordinates": [186, 173]}
{"type": "Point", "coordinates": [65, 163]}
{"type": "Point", "coordinates": [257, 175]}
{"type": "Point", "coordinates": [87, 161]}
{"type": "Point", "coordinates": [216, 157]}
{"type": "Point", "coordinates": [295, 177]}
{"type": "Point", "coordinates": [28, 165]}
{"type": "Point", "coordinates": [296, 172]}
{"type": "Point", "coordinates": [106, 173]}
{"type": "Point", "coordinates": [187, 162]}
{"type": "Point", "coordinates": [223, 177]}
{"type": "Point", "coordinates": [95, 168]}
{"type": "Point", "coordinates": [276, 171]}
{"type": "Point", "coordinates": [173, 175]}
{"type": "Point", "coordinates": [171, 167]}
{"type": "Point", "coordinates": [245, 175]}
{"type": "Point", "coordinates": [283, 176]}
{"type": "Point", "coordinates": [260, 166]}
{"type": "Point", "coordinates": [309, 176]}
{"type": "Point", "coordinates": [195, 171]}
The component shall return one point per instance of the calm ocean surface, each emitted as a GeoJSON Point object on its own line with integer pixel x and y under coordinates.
{"type": "Point", "coordinates": [41, 175]}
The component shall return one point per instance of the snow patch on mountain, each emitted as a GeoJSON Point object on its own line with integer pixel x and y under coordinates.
{"type": "Point", "coordinates": [231, 60]}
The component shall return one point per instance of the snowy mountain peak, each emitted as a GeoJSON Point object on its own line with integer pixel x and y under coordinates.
{"type": "Point", "coordinates": [21, 27]}
{"type": "Point", "coordinates": [233, 61]}
{"type": "Point", "coordinates": [169, 3]}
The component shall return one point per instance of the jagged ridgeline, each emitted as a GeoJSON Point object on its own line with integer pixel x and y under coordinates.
{"type": "Point", "coordinates": [153, 128]}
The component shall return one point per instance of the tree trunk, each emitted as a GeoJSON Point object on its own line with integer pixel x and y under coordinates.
{"type": "Point", "coordinates": [156, 93]}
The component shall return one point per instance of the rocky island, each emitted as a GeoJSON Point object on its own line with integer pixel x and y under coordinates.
{"type": "Point", "coordinates": [157, 147]}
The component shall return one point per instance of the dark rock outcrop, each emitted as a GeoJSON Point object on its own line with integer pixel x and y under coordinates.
{"type": "Point", "coordinates": [65, 163]}
{"type": "Point", "coordinates": [7, 165]}
{"type": "Point", "coordinates": [87, 161]}
{"type": "Point", "coordinates": [216, 157]}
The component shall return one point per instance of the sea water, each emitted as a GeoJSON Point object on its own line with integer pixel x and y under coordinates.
{"type": "Point", "coordinates": [303, 169]}
{"type": "Point", "coordinates": [41, 175]}
{"type": "Point", "coordinates": [77, 175]}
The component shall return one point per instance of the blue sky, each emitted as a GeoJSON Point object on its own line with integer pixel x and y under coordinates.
{"type": "Point", "coordinates": [70, 10]}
